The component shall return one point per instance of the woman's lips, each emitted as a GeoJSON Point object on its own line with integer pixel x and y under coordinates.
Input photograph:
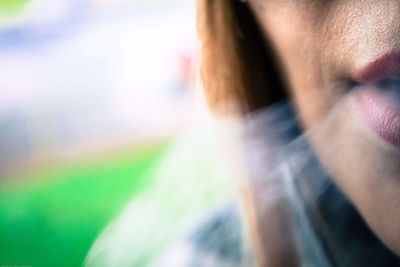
{"type": "Point", "coordinates": [377, 96]}
{"type": "Point", "coordinates": [381, 68]}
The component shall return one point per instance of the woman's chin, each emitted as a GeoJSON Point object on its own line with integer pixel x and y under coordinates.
{"type": "Point", "coordinates": [364, 165]}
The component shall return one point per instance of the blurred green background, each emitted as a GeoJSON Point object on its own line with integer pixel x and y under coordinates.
{"type": "Point", "coordinates": [11, 6]}
{"type": "Point", "coordinates": [92, 95]}
{"type": "Point", "coordinates": [52, 218]}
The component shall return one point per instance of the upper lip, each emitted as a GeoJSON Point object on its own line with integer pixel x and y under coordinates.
{"type": "Point", "coordinates": [380, 68]}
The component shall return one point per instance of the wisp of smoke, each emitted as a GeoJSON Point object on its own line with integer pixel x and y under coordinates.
{"type": "Point", "coordinates": [323, 227]}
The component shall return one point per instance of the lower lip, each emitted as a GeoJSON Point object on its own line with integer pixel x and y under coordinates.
{"type": "Point", "coordinates": [379, 111]}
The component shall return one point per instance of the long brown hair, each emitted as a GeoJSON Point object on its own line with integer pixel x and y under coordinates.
{"type": "Point", "coordinates": [240, 73]}
{"type": "Point", "coordinates": [238, 65]}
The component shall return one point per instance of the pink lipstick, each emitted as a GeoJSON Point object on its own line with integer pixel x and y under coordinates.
{"type": "Point", "coordinates": [377, 96]}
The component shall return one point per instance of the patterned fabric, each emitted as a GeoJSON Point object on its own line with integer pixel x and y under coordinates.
{"type": "Point", "coordinates": [215, 242]}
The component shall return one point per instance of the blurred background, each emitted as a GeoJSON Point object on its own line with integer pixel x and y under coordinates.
{"type": "Point", "coordinates": [93, 96]}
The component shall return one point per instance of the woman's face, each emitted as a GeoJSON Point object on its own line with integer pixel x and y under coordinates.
{"type": "Point", "coordinates": [345, 56]}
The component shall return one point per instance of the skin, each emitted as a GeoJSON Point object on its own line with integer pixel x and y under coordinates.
{"type": "Point", "coordinates": [320, 44]}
